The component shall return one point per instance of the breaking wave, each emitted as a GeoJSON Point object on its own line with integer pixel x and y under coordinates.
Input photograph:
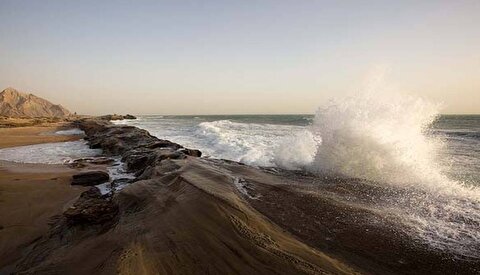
{"type": "Point", "coordinates": [387, 140]}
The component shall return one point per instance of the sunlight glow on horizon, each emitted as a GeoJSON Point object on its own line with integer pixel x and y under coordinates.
{"type": "Point", "coordinates": [228, 57]}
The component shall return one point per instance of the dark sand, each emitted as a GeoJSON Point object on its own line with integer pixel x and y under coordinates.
{"type": "Point", "coordinates": [18, 136]}
{"type": "Point", "coordinates": [30, 194]}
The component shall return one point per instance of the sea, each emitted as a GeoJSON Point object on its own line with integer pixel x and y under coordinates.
{"type": "Point", "coordinates": [286, 141]}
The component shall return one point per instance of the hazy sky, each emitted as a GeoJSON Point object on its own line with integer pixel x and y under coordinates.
{"type": "Point", "coordinates": [217, 57]}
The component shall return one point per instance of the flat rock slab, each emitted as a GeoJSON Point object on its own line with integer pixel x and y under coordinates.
{"type": "Point", "coordinates": [90, 178]}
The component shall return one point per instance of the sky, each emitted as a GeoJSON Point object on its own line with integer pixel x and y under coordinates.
{"type": "Point", "coordinates": [237, 57]}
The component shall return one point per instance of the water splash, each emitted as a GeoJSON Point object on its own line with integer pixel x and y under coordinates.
{"type": "Point", "coordinates": [384, 137]}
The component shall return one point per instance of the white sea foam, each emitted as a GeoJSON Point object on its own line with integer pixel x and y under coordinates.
{"type": "Point", "coordinates": [70, 132]}
{"type": "Point", "coordinates": [384, 138]}
{"type": "Point", "coordinates": [246, 142]}
{"type": "Point", "coordinates": [296, 151]}
{"type": "Point", "coordinates": [50, 153]}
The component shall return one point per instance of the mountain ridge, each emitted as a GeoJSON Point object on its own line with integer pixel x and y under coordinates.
{"type": "Point", "coordinates": [14, 103]}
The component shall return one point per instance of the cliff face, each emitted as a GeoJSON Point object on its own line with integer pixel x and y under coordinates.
{"type": "Point", "coordinates": [17, 104]}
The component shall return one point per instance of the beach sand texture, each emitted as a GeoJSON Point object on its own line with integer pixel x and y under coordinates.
{"type": "Point", "coordinates": [30, 194]}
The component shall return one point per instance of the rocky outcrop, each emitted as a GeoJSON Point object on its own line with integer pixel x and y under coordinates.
{"type": "Point", "coordinates": [138, 149]}
{"type": "Point", "coordinates": [91, 208]}
{"type": "Point", "coordinates": [117, 117]}
{"type": "Point", "coordinates": [90, 178]}
{"type": "Point", "coordinates": [17, 104]}
{"type": "Point", "coordinates": [85, 162]}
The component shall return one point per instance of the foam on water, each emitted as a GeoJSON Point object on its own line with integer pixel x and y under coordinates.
{"type": "Point", "coordinates": [50, 153]}
{"type": "Point", "coordinates": [385, 138]}
{"type": "Point", "coordinates": [70, 132]}
{"type": "Point", "coordinates": [245, 142]}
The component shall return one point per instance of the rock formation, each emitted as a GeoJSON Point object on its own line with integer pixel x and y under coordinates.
{"type": "Point", "coordinates": [17, 104]}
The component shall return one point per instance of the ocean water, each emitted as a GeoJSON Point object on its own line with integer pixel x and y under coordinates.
{"type": "Point", "coordinates": [290, 141]}
{"type": "Point", "coordinates": [49, 153]}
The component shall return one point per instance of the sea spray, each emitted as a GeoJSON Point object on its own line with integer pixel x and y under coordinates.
{"type": "Point", "coordinates": [385, 139]}
{"type": "Point", "coordinates": [296, 151]}
{"type": "Point", "coordinates": [377, 137]}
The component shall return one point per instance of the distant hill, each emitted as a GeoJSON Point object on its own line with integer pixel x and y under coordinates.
{"type": "Point", "coordinates": [17, 104]}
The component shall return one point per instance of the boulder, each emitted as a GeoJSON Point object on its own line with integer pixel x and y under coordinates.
{"type": "Point", "coordinates": [91, 208]}
{"type": "Point", "coordinates": [83, 162]}
{"type": "Point", "coordinates": [90, 178]}
{"type": "Point", "coordinates": [191, 152]}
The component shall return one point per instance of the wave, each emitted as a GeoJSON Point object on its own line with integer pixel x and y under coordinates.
{"type": "Point", "coordinates": [70, 132]}
{"type": "Point", "coordinates": [249, 143]}
{"type": "Point", "coordinates": [387, 140]}
{"type": "Point", "coordinates": [49, 153]}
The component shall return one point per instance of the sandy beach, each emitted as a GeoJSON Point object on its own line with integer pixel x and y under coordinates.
{"type": "Point", "coordinates": [18, 136]}
{"type": "Point", "coordinates": [30, 194]}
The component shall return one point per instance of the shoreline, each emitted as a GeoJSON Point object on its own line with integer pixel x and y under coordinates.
{"type": "Point", "coordinates": [29, 135]}
{"type": "Point", "coordinates": [245, 210]}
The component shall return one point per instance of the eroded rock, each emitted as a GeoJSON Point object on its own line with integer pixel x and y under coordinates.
{"type": "Point", "coordinates": [91, 208]}
{"type": "Point", "coordinates": [90, 178]}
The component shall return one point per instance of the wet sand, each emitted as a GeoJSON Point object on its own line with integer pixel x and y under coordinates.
{"type": "Point", "coordinates": [10, 137]}
{"type": "Point", "coordinates": [30, 194]}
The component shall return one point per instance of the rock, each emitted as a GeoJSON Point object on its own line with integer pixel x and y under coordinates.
{"type": "Point", "coordinates": [191, 152]}
{"type": "Point", "coordinates": [117, 117]}
{"type": "Point", "coordinates": [139, 149]}
{"type": "Point", "coordinates": [90, 178]}
{"type": "Point", "coordinates": [121, 182]}
{"type": "Point", "coordinates": [91, 208]}
{"type": "Point", "coordinates": [83, 162]}
{"type": "Point", "coordinates": [163, 144]}
{"type": "Point", "coordinates": [139, 158]}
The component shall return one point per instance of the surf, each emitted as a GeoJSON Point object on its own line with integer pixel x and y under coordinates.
{"type": "Point", "coordinates": [386, 139]}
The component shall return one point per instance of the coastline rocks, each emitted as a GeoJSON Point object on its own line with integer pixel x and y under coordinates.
{"type": "Point", "coordinates": [83, 162]}
{"type": "Point", "coordinates": [138, 149]}
{"type": "Point", "coordinates": [191, 152]}
{"type": "Point", "coordinates": [91, 208]}
{"type": "Point", "coordinates": [90, 178]}
{"type": "Point", "coordinates": [117, 117]}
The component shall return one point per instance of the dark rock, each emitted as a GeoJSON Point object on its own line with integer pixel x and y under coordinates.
{"type": "Point", "coordinates": [191, 152]}
{"type": "Point", "coordinates": [121, 182]}
{"type": "Point", "coordinates": [138, 159]}
{"type": "Point", "coordinates": [83, 162]}
{"type": "Point", "coordinates": [116, 117]}
{"type": "Point", "coordinates": [163, 144]}
{"type": "Point", "coordinates": [91, 208]}
{"type": "Point", "coordinates": [139, 149]}
{"type": "Point", "coordinates": [171, 155]}
{"type": "Point", "coordinates": [90, 178]}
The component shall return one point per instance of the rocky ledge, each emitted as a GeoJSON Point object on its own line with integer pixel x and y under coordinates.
{"type": "Point", "coordinates": [116, 117]}
{"type": "Point", "coordinates": [139, 150]}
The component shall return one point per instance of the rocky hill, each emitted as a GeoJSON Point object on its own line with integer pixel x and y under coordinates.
{"type": "Point", "coordinates": [17, 104]}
